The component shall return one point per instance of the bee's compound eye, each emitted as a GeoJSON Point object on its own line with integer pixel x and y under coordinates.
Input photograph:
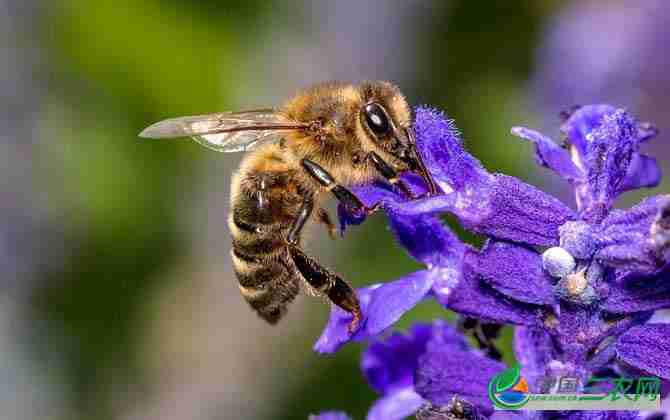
{"type": "Point", "coordinates": [377, 119]}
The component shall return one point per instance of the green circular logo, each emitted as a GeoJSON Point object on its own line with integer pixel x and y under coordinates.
{"type": "Point", "coordinates": [508, 389]}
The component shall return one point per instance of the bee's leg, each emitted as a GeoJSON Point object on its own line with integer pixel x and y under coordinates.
{"type": "Point", "coordinates": [324, 218]}
{"type": "Point", "coordinates": [328, 283]}
{"type": "Point", "coordinates": [299, 222]}
{"type": "Point", "coordinates": [318, 277]}
{"type": "Point", "coordinates": [390, 174]}
{"type": "Point", "coordinates": [345, 196]}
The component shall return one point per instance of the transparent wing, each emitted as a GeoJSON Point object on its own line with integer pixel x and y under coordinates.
{"type": "Point", "coordinates": [226, 131]}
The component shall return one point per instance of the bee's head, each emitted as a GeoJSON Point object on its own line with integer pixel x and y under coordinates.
{"type": "Point", "coordinates": [386, 120]}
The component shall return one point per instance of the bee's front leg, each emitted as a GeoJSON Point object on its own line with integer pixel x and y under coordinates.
{"type": "Point", "coordinates": [344, 195]}
{"type": "Point", "coordinates": [324, 218]}
{"type": "Point", "coordinates": [390, 174]}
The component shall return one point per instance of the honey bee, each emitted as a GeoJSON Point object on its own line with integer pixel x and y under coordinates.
{"type": "Point", "coordinates": [326, 138]}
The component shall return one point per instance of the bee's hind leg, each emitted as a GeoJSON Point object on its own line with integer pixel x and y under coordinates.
{"type": "Point", "coordinates": [328, 283]}
{"type": "Point", "coordinates": [318, 277]}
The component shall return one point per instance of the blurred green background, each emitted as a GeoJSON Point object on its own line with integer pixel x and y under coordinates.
{"type": "Point", "coordinates": [130, 309]}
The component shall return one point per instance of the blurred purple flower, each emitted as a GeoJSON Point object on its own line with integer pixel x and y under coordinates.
{"type": "Point", "coordinates": [582, 302]}
{"type": "Point", "coordinates": [609, 49]}
{"type": "Point", "coordinates": [612, 52]}
{"type": "Point", "coordinates": [330, 415]}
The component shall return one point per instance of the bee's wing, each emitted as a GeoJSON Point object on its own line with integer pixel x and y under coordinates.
{"type": "Point", "coordinates": [226, 131]}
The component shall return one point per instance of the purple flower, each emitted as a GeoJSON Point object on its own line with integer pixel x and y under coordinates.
{"type": "Point", "coordinates": [431, 364]}
{"type": "Point", "coordinates": [602, 158]}
{"type": "Point", "coordinates": [579, 285]}
{"type": "Point", "coordinates": [330, 415]}
{"type": "Point", "coordinates": [612, 52]}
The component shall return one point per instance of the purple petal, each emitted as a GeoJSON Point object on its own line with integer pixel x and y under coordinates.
{"type": "Point", "coordinates": [549, 154]}
{"type": "Point", "coordinates": [583, 122]}
{"type": "Point", "coordinates": [643, 172]}
{"type": "Point", "coordinates": [636, 293]}
{"type": "Point", "coordinates": [330, 415]}
{"type": "Point", "coordinates": [505, 208]}
{"type": "Point", "coordinates": [336, 333]}
{"type": "Point", "coordinates": [515, 271]}
{"type": "Point", "coordinates": [602, 415]}
{"type": "Point", "coordinates": [519, 212]}
{"type": "Point", "coordinates": [369, 195]}
{"type": "Point", "coordinates": [604, 141]}
{"type": "Point", "coordinates": [637, 239]}
{"type": "Point", "coordinates": [533, 349]}
{"type": "Point", "coordinates": [443, 373]}
{"type": "Point", "coordinates": [426, 238]}
{"type": "Point", "coordinates": [389, 364]}
{"type": "Point", "coordinates": [396, 406]}
{"type": "Point", "coordinates": [391, 300]}
{"type": "Point", "coordinates": [579, 239]}
{"type": "Point", "coordinates": [608, 155]}
{"type": "Point", "coordinates": [647, 347]}
{"type": "Point", "coordinates": [466, 294]}
{"type": "Point", "coordinates": [438, 142]}
{"type": "Point", "coordinates": [509, 415]}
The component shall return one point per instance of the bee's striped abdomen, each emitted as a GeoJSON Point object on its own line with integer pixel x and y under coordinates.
{"type": "Point", "coordinates": [263, 206]}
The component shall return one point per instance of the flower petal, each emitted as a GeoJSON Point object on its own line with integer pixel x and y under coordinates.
{"type": "Point", "coordinates": [426, 238]}
{"type": "Point", "coordinates": [381, 305]}
{"type": "Point", "coordinates": [389, 364]}
{"type": "Point", "coordinates": [466, 294]}
{"type": "Point", "coordinates": [602, 415]}
{"type": "Point", "coordinates": [330, 415]}
{"type": "Point", "coordinates": [583, 121]}
{"type": "Point", "coordinates": [604, 141]}
{"type": "Point", "coordinates": [636, 293]}
{"type": "Point", "coordinates": [369, 195]}
{"type": "Point", "coordinates": [509, 415]}
{"type": "Point", "coordinates": [438, 141]}
{"type": "Point", "coordinates": [396, 406]}
{"type": "Point", "coordinates": [549, 154]}
{"type": "Point", "coordinates": [534, 350]}
{"type": "Point", "coordinates": [443, 373]}
{"type": "Point", "coordinates": [519, 212]}
{"type": "Point", "coordinates": [391, 300]}
{"type": "Point", "coordinates": [637, 239]}
{"type": "Point", "coordinates": [515, 271]}
{"type": "Point", "coordinates": [505, 208]}
{"type": "Point", "coordinates": [647, 347]}
{"type": "Point", "coordinates": [643, 172]}
{"type": "Point", "coordinates": [336, 333]}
